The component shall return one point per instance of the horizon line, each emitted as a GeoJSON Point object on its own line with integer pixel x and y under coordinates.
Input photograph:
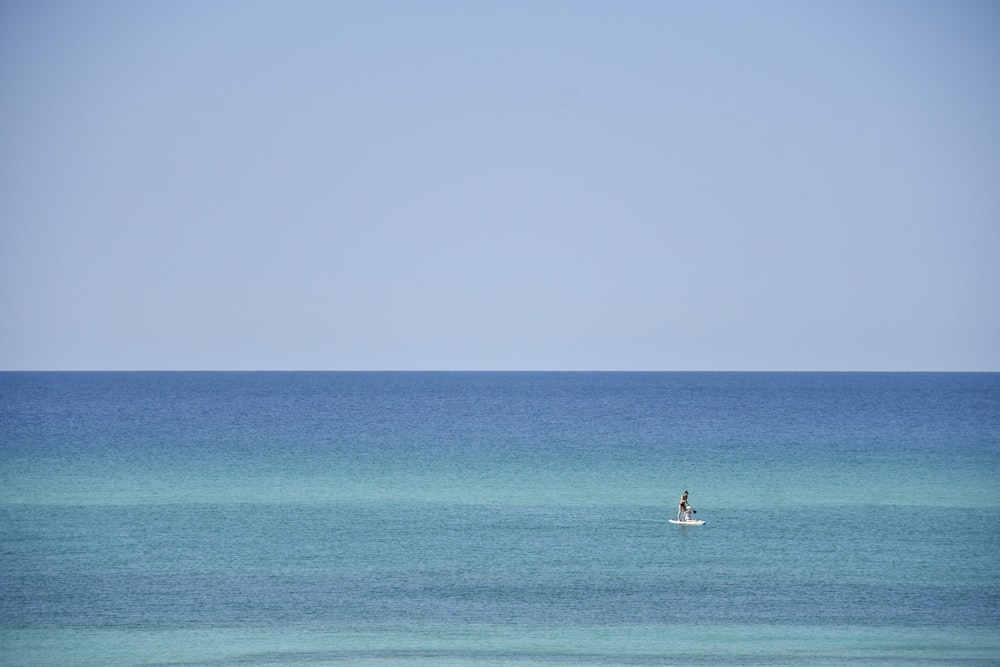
{"type": "Point", "coordinates": [472, 370]}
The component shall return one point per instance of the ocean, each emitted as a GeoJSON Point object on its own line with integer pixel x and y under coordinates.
{"type": "Point", "coordinates": [484, 519]}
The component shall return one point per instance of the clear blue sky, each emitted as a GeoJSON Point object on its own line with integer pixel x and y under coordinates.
{"type": "Point", "coordinates": [663, 185]}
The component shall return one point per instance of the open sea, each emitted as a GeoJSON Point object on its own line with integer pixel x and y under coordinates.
{"type": "Point", "coordinates": [492, 519]}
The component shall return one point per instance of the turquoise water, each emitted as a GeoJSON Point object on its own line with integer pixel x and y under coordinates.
{"type": "Point", "coordinates": [499, 518]}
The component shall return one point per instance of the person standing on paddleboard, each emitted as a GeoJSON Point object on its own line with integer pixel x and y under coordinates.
{"type": "Point", "coordinates": [682, 505]}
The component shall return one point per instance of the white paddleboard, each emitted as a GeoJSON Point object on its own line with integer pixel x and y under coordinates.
{"type": "Point", "coordinates": [689, 522]}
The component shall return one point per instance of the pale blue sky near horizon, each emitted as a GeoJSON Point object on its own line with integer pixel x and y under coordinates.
{"type": "Point", "coordinates": [487, 185]}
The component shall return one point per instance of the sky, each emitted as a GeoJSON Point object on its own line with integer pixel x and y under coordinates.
{"type": "Point", "coordinates": [497, 185]}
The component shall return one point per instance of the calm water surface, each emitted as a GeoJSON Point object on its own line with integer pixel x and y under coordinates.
{"type": "Point", "coordinates": [476, 519]}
